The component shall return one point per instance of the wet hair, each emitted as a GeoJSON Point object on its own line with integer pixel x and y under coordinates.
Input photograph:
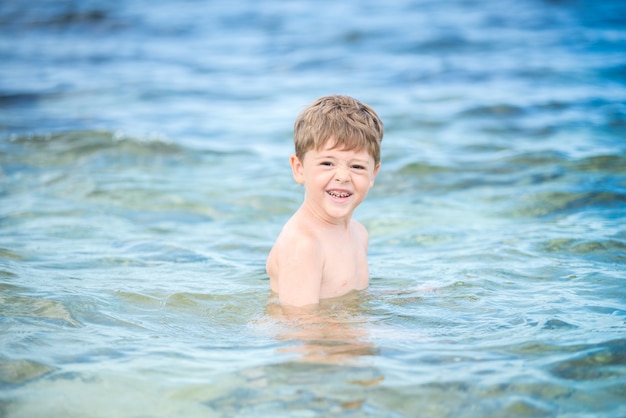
{"type": "Point", "coordinates": [351, 124]}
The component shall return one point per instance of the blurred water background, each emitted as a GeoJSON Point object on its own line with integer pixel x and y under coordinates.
{"type": "Point", "coordinates": [144, 176]}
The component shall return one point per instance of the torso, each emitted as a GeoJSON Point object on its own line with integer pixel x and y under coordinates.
{"type": "Point", "coordinates": [345, 260]}
{"type": "Point", "coordinates": [346, 265]}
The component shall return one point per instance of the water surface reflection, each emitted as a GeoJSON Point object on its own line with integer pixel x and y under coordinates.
{"type": "Point", "coordinates": [333, 332]}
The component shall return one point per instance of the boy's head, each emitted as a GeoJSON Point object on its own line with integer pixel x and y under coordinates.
{"type": "Point", "coordinates": [352, 125]}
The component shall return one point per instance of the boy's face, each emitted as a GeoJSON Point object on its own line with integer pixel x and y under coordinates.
{"type": "Point", "coordinates": [335, 180]}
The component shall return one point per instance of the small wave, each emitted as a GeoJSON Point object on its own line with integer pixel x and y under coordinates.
{"type": "Point", "coordinates": [548, 204]}
{"type": "Point", "coordinates": [607, 249]}
{"type": "Point", "coordinates": [557, 325]}
{"type": "Point", "coordinates": [421, 168]}
{"type": "Point", "coordinates": [88, 18]}
{"type": "Point", "coordinates": [100, 150]}
{"type": "Point", "coordinates": [603, 361]}
{"type": "Point", "coordinates": [9, 255]}
{"type": "Point", "coordinates": [615, 164]}
{"type": "Point", "coordinates": [491, 111]}
{"type": "Point", "coordinates": [37, 308]}
{"type": "Point", "coordinates": [156, 251]}
{"type": "Point", "coordinates": [13, 99]}
{"type": "Point", "coordinates": [66, 147]}
{"type": "Point", "coordinates": [15, 372]}
{"type": "Point", "coordinates": [519, 169]}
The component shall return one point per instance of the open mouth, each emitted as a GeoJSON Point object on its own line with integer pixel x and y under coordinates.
{"type": "Point", "coordinates": [339, 195]}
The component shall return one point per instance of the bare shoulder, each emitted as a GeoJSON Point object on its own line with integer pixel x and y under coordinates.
{"type": "Point", "coordinates": [358, 227]}
{"type": "Point", "coordinates": [359, 231]}
{"type": "Point", "coordinates": [296, 237]}
{"type": "Point", "coordinates": [295, 264]}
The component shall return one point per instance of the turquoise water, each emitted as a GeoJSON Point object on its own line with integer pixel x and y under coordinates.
{"type": "Point", "coordinates": [144, 176]}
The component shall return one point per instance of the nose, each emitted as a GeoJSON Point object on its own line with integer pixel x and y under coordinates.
{"type": "Point", "coordinates": [342, 174]}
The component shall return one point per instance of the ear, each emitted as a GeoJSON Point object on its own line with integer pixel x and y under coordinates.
{"type": "Point", "coordinates": [297, 169]}
{"type": "Point", "coordinates": [374, 175]}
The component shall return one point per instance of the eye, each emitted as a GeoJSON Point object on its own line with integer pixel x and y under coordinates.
{"type": "Point", "coordinates": [326, 163]}
{"type": "Point", "coordinates": [358, 167]}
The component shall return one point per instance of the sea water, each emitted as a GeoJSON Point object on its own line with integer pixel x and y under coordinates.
{"type": "Point", "coordinates": [144, 177]}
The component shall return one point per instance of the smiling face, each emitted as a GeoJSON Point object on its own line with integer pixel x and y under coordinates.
{"type": "Point", "coordinates": [335, 180]}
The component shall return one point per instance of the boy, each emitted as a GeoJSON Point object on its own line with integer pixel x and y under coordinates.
{"type": "Point", "coordinates": [321, 251]}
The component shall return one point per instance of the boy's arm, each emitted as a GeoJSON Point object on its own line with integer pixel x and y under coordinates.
{"type": "Point", "coordinates": [300, 266]}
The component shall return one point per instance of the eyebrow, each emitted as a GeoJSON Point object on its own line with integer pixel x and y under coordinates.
{"type": "Point", "coordinates": [352, 160]}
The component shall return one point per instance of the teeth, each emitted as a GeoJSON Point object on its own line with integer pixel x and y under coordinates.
{"type": "Point", "coordinates": [335, 194]}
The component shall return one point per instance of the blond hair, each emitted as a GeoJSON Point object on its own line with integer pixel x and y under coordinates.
{"type": "Point", "coordinates": [352, 125]}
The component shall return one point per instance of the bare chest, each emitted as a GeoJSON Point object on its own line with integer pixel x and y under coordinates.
{"type": "Point", "coordinates": [345, 269]}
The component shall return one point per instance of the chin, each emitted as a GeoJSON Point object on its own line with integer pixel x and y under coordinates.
{"type": "Point", "coordinates": [340, 213]}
